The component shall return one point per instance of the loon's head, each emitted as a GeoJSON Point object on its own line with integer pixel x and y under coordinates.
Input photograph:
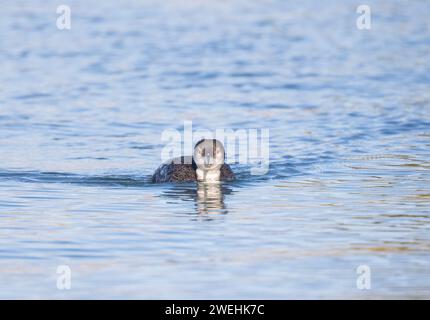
{"type": "Point", "coordinates": [209, 157]}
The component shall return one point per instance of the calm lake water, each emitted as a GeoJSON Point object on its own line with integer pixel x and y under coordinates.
{"type": "Point", "coordinates": [81, 117]}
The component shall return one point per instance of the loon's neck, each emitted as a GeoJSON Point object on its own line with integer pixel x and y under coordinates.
{"type": "Point", "coordinates": [208, 176]}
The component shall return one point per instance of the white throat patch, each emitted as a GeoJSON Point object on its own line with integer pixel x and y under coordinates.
{"type": "Point", "coordinates": [208, 176]}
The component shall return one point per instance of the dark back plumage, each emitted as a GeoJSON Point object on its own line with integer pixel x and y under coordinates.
{"type": "Point", "coordinates": [183, 169]}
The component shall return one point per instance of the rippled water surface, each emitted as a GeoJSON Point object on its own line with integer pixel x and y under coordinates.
{"type": "Point", "coordinates": [81, 117]}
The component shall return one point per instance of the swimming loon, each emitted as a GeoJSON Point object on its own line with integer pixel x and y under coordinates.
{"type": "Point", "coordinates": [206, 165]}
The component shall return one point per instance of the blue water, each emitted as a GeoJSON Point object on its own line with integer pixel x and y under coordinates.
{"type": "Point", "coordinates": [81, 117]}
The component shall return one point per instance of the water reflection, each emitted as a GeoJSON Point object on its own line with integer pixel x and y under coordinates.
{"type": "Point", "coordinates": [209, 198]}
